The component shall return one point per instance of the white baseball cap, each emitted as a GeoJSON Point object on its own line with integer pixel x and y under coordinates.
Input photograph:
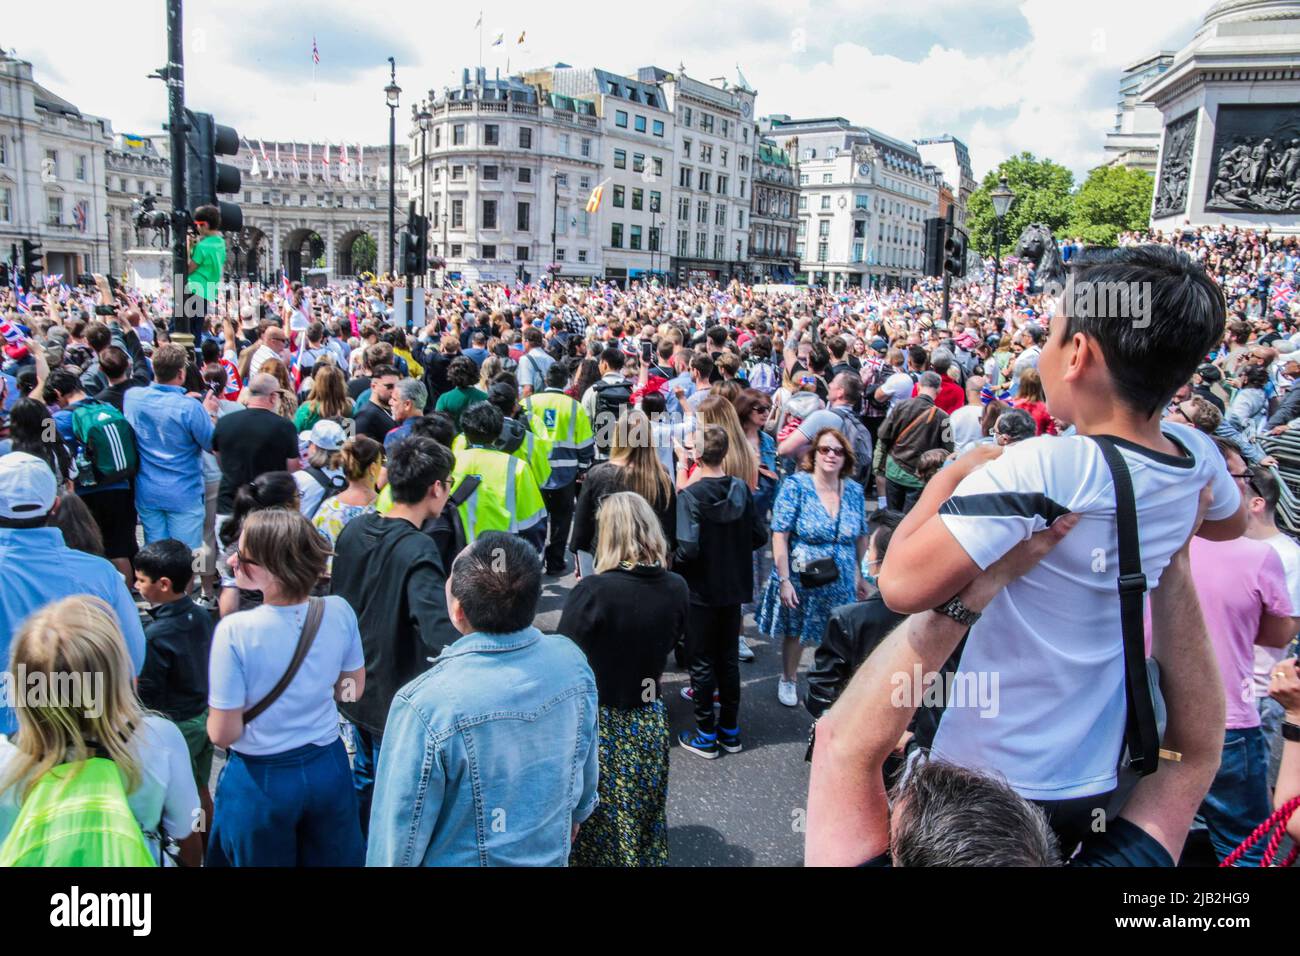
{"type": "Point", "coordinates": [28, 487]}
{"type": "Point", "coordinates": [326, 435]}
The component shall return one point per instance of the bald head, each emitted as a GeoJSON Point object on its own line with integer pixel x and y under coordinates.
{"type": "Point", "coordinates": [974, 385]}
{"type": "Point", "coordinates": [263, 385]}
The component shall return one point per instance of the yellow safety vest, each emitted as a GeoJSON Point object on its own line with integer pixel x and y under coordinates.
{"type": "Point", "coordinates": [507, 498]}
{"type": "Point", "coordinates": [565, 424]}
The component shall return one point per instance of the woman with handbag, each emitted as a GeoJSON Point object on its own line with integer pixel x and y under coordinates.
{"type": "Point", "coordinates": [819, 537]}
{"type": "Point", "coordinates": [285, 796]}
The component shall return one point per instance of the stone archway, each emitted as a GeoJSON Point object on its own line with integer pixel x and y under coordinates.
{"type": "Point", "coordinates": [301, 247]}
{"type": "Point", "coordinates": [344, 257]}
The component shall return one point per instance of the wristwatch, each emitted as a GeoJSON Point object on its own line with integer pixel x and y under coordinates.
{"type": "Point", "coordinates": [958, 611]}
{"type": "Point", "coordinates": [1290, 731]}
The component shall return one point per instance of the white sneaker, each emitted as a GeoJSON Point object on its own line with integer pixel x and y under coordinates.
{"type": "Point", "coordinates": [787, 692]}
{"type": "Point", "coordinates": [746, 652]}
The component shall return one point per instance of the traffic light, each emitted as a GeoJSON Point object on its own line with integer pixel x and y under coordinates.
{"type": "Point", "coordinates": [954, 254]}
{"type": "Point", "coordinates": [4, 275]}
{"type": "Point", "coordinates": [934, 230]}
{"type": "Point", "coordinates": [33, 260]}
{"type": "Point", "coordinates": [413, 245]}
{"type": "Point", "coordinates": [205, 178]}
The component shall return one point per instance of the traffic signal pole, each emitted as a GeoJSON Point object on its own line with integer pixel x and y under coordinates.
{"type": "Point", "coordinates": [947, 275]}
{"type": "Point", "coordinates": [410, 273]}
{"type": "Point", "coordinates": [176, 128]}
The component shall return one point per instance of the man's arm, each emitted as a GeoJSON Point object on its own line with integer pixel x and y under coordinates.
{"type": "Point", "coordinates": [410, 782]}
{"type": "Point", "coordinates": [1284, 687]}
{"type": "Point", "coordinates": [1164, 803]}
{"type": "Point", "coordinates": [848, 810]}
{"type": "Point", "coordinates": [1276, 631]}
{"type": "Point", "coordinates": [426, 596]}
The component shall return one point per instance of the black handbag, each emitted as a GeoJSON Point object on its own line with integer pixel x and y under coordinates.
{"type": "Point", "coordinates": [822, 571]}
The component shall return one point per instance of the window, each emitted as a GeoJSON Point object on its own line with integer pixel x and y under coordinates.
{"type": "Point", "coordinates": [525, 174]}
{"type": "Point", "coordinates": [717, 247]}
{"type": "Point", "coordinates": [860, 201]}
{"type": "Point", "coordinates": [657, 128]}
{"type": "Point", "coordinates": [81, 168]}
{"type": "Point", "coordinates": [521, 253]}
{"type": "Point", "coordinates": [726, 128]}
{"type": "Point", "coordinates": [706, 153]}
{"type": "Point", "coordinates": [638, 162]}
{"type": "Point", "coordinates": [458, 134]}
{"type": "Point", "coordinates": [582, 255]}
{"type": "Point", "coordinates": [744, 163]}
{"type": "Point", "coordinates": [491, 134]}
{"type": "Point", "coordinates": [657, 164]}
{"type": "Point", "coordinates": [489, 252]}
{"type": "Point", "coordinates": [857, 252]}
{"type": "Point", "coordinates": [654, 201]}
{"type": "Point", "coordinates": [620, 119]}
{"type": "Point", "coordinates": [803, 228]}
{"type": "Point", "coordinates": [562, 220]}
{"type": "Point", "coordinates": [683, 208]}
{"type": "Point", "coordinates": [826, 177]}
{"type": "Point", "coordinates": [686, 148]}
{"type": "Point", "coordinates": [489, 220]}
{"type": "Point", "coordinates": [742, 189]}
{"type": "Point", "coordinates": [826, 202]}
{"type": "Point", "coordinates": [803, 202]}
{"type": "Point", "coordinates": [52, 163]}
{"type": "Point", "coordinates": [437, 173]}
{"type": "Point", "coordinates": [6, 204]}
{"type": "Point", "coordinates": [701, 245]}
{"type": "Point", "coordinates": [803, 179]}
{"type": "Point", "coordinates": [822, 249]}
{"type": "Point", "coordinates": [722, 156]}
{"type": "Point", "coordinates": [584, 224]}
{"type": "Point", "coordinates": [525, 137]}
{"type": "Point", "coordinates": [562, 179]}
{"type": "Point", "coordinates": [705, 179]}
{"type": "Point", "coordinates": [618, 197]}
{"type": "Point", "coordinates": [437, 137]}
{"type": "Point", "coordinates": [639, 124]}
{"type": "Point", "coordinates": [706, 122]}
{"type": "Point", "coordinates": [702, 211]}
{"type": "Point", "coordinates": [824, 228]}
{"type": "Point", "coordinates": [798, 250]}
{"type": "Point", "coordinates": [456, 250]}
{"type": "Point", "coordinates": [457, 173]}
{"type": "Point", "coordinates": [559, 255]}
{"type": "Point", "coordinates": [584, 182]}
{"type": "Point", "coordinates": [4, 150]}
{"type": "Point", "coordinates": [491, 173]}
{"type": "Point", "coordinates": [620, 159]}
{"type": "Point", "coordinates": [523, 215]}
{"type": "Point", "coordinates": [638, 199]}
{"type": "Point", "coordinates": [686, 121]}
{"type": "Point", "coordinates": [683, 241]}
{"type": "Point", "coordinates": [723, 183]}
{"type": "Point", "coordinates": [54, 208]}
{"type": "Point", "coordinates": [720, 214]}
{"type": "Point", "coordinates": [740, 219]}
{"type": "Point", "coordinates": [654, 239]}
{"type": "Point", "coordinates": [634, 237]}
{"type": "Point", "coordinates": [616, 235]}
{"type": "Point", "coordinates": [584, 146]}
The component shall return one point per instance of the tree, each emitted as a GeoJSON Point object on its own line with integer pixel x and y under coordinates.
{"type": "Point", "coordinates": [364, 252]}
{"type": "Point", "coordinates": [1042, 190]}
{"type": "Point", "coordinates": [1112, 200]}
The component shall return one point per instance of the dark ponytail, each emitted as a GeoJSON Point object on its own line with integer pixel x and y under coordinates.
{"type": "Point", "coordinates": [274, 489]}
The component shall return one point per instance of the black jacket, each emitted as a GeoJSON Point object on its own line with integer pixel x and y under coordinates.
{"type": "Point", "coordinates": [602, 481]}
{"type": "Point", "coordinates": [626, 622]}
{"type": "Point", "coordinates": [174, 679]}
{"type": "Point", "coordinates": [852, 633]}
{"type": "Point", "coordinates": [718, 530]}
{"type": "Point", "coordinates": [393, 577]}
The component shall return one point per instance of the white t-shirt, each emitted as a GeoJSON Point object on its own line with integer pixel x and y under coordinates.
{"type": "Point", "coordinates": [166, 794]}
{"type": "Point", "coordinates": [898, 388]}
{"type": "Point", "coordinates": [1052, 639]}
{"type": "Point", "coordinates": [251, 650]}
{"type": "Point", "coordinates": [263, 355]}
{"type": "Point", "coordinates": [1267, 657]}
{"type": "Point", "coordinates": [965, 423]}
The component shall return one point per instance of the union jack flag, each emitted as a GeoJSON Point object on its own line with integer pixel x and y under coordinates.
{"type": "Point", "coordinates": [79, 215]}
{"type": "Point", "coordinates": [315, 53]}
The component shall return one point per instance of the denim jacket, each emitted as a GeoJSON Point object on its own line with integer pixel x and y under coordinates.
{"type": "Point", "coordinates": [490, 757]}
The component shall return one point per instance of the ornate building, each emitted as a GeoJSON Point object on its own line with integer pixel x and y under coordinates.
{"type": "Point", "coordinates": [134, 167]}
{"type": "Point", "coordinates": [1230, 101]}
{"type": "Point", "coordinates": [51, 174]}
{"type": "Point", "coordinates": [774, 211]}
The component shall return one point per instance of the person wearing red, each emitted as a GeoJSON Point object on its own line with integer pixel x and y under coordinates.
{"type": "Point", "coordinates": [951, 395]}
{"type": "Point", "coordinates": [1030, 397]}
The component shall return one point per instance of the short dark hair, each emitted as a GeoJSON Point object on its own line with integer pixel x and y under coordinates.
{"type": "Point", "coordinates": [702, 364]}
{"type": "Point", "coordinates": [717, 335]}
{"type": "Point", "coordinates": [436, 425]}
{"type": "Point", "coordinates": [415, 464]}
{"type": "Point", "coordinates": [462, 372]}
{"type": "Point", "coordinates": [881, 525]}
{"type": "Point", "coordinates": [167, 558]}
{"type": "Point", "coordinates": [482, 423]}
{"type": "Point", "coordinates": [557, 375]}
{"type": "Point", "coordinates": [1266, 486]}
{"type": "Point", "coordinates": [497, 581]}
{"type": "Point", "coordinates": [210, 215]}
{"type": "Point", "coordinates": [114, 362]}
{"type": "Point", "coordinates": [383, 371]}
{"type": "Point", "coordinates": [612, 357]}
{"type": "Point", "coordinates": [63, 381]}
{"type": "Point", "coordinates": [819, 358]}
{"type": "Point", "coordinates": [713, 445]}
{"type": "Point", "coordinates": [1185, 316]}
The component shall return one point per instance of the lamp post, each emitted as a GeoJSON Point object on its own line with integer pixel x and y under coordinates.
{"type": "Point", "coordinates": [425, 119]}
{"type": "Point", "coordinates": [1001, 199]}
{"type": "Point", "coordinates": [391, 93]}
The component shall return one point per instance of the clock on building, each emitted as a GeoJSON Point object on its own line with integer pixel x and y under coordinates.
{"type": "Point", "coordinates": [843, 202]}
{"type": "Point", "coordinates": [864, 169]}
{"type": "Point", "coordinates": [746, 109]}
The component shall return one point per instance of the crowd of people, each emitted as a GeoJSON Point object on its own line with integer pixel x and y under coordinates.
{"type": "Point", "coordinates": [308, 548]}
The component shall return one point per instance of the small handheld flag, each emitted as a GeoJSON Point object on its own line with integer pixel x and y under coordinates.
{"type": "Point", "coordinates": [315, 53]}
{"type": "Point", "coordinates": [521, 38]}
{"type": "Point", "coordinates": [593, 201]}
{"type": "Point", "coordinates": [499, 40]}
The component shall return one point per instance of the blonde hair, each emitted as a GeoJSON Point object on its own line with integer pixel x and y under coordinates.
{"type": "Point", "coordinates": [741, 460]}
{"type": "Point", "coordinates": [632, 448]}
{"type": "Point", "coordinates": [64, 645]}
{"type": "Point", "coordinates": [629, 532]}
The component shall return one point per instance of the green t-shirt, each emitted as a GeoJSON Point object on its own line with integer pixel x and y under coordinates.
{"type": "Point", "coordinates": [457, 400]}
{"type": "Point", "coordinates": [210, 256]}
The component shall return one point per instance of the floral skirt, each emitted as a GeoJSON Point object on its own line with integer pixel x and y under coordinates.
{"type": "Point", "coordinates": [630, 824]}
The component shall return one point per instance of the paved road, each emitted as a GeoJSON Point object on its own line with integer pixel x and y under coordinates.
{"type": "Point", "coordinates": [742, 809]}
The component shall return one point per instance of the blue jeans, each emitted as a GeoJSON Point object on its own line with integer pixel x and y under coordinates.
{"type": "Point", "coordinates": [364, 761]}
{"type": "Point", "coordinates": [1238, 800]}
{"type": "Point", "coordinates": [291, 809]}
{"type": "Point", "coordinates": [185, 526]}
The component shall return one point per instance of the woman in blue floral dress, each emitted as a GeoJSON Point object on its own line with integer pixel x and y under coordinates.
{"type": "Point", "coordinates": [819, 513]}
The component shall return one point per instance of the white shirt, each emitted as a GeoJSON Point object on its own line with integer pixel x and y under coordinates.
{"type": "Point", "coordinates": [263, 355]}
{"type": "Point", "coordinates": [166, 794]}
{"type": "Point", "coordinates": [1052, 638]}
{"type": "Point", "coordinates": [251, 650]}
{"type": "Point", "coordinates": [310, 492]}
{"type": "Point", "coordinates": [965, 423]}
{"type": "Point", "coordinates": [1267, 657]}
{"type": "Point", "coordinates": [898, 388]}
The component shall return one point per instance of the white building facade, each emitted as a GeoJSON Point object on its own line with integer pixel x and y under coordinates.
{"type": "Point", "coordinates": [1135, 139]}
{"type": "Point", "coordinates": [951, 157]}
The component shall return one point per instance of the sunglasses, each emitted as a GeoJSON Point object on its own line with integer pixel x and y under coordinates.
{"type": "Point", "coordinates": [829, 450]}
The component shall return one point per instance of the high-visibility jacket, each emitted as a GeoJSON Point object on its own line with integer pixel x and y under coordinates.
{"type": "Point", "coordinates": [565, 424]}
{"type": "Point", "coordinates": [507, 498]}
{"type": "Point", "coordinates": [533, 450]}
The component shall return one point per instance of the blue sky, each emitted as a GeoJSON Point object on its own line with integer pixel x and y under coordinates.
{"type": "Point", "coordinates": [1037, 75]}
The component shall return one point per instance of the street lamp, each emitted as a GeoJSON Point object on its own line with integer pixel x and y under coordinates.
{"type": "Point", "coordinates": [425, 119]}
{"type": "Point", "coordinates": [1001, 198]}
{"type": "Point", "coordinates": [391, 93]}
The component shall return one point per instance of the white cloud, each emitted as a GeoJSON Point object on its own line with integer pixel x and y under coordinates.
{"type": "Point", "coordinates": [1052, 95]}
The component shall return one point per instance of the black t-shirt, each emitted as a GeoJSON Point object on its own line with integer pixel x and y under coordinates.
{"type": "Point", "coordinates": [374, 422]}
{"type": "Point", "coordinates": [358, 385]}
{"type": "Point", "coordinates": [250, 443]}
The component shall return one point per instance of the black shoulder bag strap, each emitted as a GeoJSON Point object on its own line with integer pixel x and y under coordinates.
{"type": "Point", "coordinates": [310, 625]}
{"type": "Point", "coordinates": [1141, 733]}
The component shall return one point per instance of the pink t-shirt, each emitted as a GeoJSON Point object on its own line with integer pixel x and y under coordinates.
{"type": "Point", "coordinates": [1237, 582]}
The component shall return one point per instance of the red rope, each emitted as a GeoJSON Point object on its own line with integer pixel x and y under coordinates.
{"type": "Point", "coordinates": [1275, 827]}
